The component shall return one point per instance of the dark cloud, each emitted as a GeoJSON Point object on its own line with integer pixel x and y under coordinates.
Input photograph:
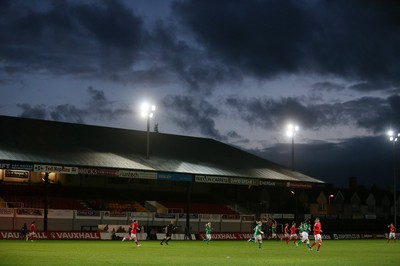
{"type": "Point", "coordinates": [223, 41]}
{"type": "Point", "coordinates": [188, 63]}
{"type": "Point", "coordinates": [193, 115]}
{"type": "Point", "coordinates": [351, 39]}
{"type": "Point", "coordinates": [68, 37]}
{"type": "Point", "coordinates": [367, 158]}
{"type": "Point", "coordinates": [103, 39]}
{"type": "Point", "coordinates": [266, 112]}
{"type": "Point", "coordinates": [367, 112]}
{"type": "Point", "coordinates": [327, 86]}
{"type": "Point", "coordinates": [100, 108]}
{"type": "Point", "coordinates": [233, 134]}
{"type": "Point", "coordinates": [97, 108]}
{"type": "Point", "coordinates": [370, 86]}
{"type": "Point", "coordinates": [67, 113]}
{"type": "Point", "coordinates": [38, 111]}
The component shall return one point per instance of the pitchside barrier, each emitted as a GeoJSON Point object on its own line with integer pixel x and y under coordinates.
{"type": "Point", "coordinates": [12, 220]}
{"type": "Point", "coordinates": [10, 235]}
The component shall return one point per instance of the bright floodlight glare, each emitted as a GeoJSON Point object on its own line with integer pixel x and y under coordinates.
{"type": "Point", "coordinates": [147, 110]}
{"type": "Point", "coordinates": [291, 130]}
{"type": "Point", "coordinates": [145, 106]}
{"type": "Point", "coordinates": [393, 136]}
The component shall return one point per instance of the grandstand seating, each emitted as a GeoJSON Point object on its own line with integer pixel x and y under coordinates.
{"type": "Point", "coordinates": [115, 205]}
{"type": "Point", "coordinates": [61, 197]}
{"type": "Point", "coordinates": [210, 208]}
{"type": "Point", "coordinates": [32, 196]}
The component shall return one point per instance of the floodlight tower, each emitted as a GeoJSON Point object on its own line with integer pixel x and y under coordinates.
{"type": "Point", "coordinates": [147, 111]}
{"type": "Point", "coordinates": [291, 132]}
{"type": "Point", "coordinates": [393, 138]}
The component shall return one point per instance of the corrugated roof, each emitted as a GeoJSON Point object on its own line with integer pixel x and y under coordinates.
{"type": "Point", "coordinates": [56, 143]}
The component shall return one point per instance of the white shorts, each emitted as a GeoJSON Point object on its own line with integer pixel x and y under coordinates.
{"type": "Point", "coordinates": [317, 237]}
{"type": "Point", "coordinates": [392, 235]}
{"type": "Point", "coordinates": [31, 234]}
{"type": "Point", "coordinates": [258, 237]}
{"type": "Point", "coordinates": [293, 236]}
{"type": "Point", "coordinates": [286, 236]}
{"type": "Point", "coordinates": [208, 236]}
{"type": "Point", "coordinates": [133, 236]}
{"type": "Point", "coordinates": [304, 236]}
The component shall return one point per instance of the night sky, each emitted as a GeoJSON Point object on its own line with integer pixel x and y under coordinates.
{"type": "Point", "coordinates": [234, 71]}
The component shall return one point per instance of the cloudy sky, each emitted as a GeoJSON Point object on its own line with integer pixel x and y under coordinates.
{"type": "Point", "coordinates": [230, 70]}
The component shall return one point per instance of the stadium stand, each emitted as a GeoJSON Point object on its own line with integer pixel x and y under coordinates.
{"type": "Point", "coordinates": [180, 207]}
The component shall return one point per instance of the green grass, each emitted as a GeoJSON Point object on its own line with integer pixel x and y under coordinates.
{"type": "Point", "coordinates": [70, 252]}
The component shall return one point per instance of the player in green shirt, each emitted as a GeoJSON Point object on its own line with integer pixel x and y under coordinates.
{"type": "Point", "coordinates": [273, 230]}
{"type": "Point", "coordinates": [208, 232]}
{"type": "Point", "coordinates": [258, 234]}
{"type": "Point", "coordinates": [304, 230]}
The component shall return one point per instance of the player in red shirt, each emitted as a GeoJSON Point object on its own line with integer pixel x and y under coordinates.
{"type": "Point", "coordinates": [293, 234]}
{"type": "Point", "coordinates": [392, 233]}
{"type": "Point", "coordinates": [134, 227]}
{"type": "Point", "coordinates": [31, 233]}
{"type": "Point", "coordinates": [317, 234]}
{"type": "Point", "coordinates": [286, 235]}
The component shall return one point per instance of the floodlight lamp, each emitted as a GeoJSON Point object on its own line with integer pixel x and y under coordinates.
{"type": "Point", "coordinates": [145, 106]}
{"type": "Point", "coordinates": [147, 110]}
{"type": "Point", "coordinates": [291, 130]}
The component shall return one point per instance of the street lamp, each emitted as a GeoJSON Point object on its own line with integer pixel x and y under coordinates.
{"type": "Point", "coordinates": [393, 138]}
{"type": "Point", "coordinates": [329, 198]}
{"type": "Point", "coordinates": [295, 203]}
{"type": "Point", "coordinates": [329, 203]}
{"type": "Point", "coordinates": [148, 112]}
{"type": "Point", "coordinates": [291, 132]}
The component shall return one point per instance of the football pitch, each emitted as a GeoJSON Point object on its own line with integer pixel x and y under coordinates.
{"type": "Point", "coordinates": [79, 252]}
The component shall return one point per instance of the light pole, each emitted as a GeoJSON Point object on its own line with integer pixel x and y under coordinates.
{"type": "Point", "coordinates": [291, 132]}
{"type": "Point", "coordinates": [393, 138]}
{"type": "Point", "coordinates": [148, 112]}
